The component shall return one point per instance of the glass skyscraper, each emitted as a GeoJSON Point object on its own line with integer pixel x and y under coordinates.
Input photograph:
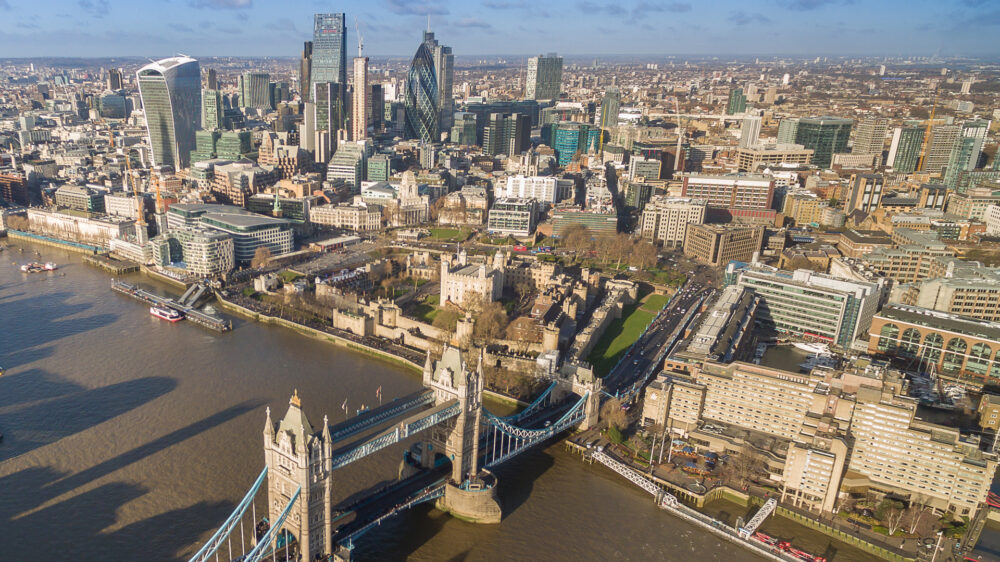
{"type": "Point", "coordinates": [544, 79]}
{"type": "Point", "coordinates": [329, 50]}
{"type": "Point", "coordinates": [904, 150]}
{"type": "Point", "coordinates": [211, 105]}
{"type": "Point", "coordinates": [422, 97]}
{"type": "Point", "coordinates": [170, 90]}
{"type": "Point", "coordinates": [826, 136]}
{"type": "Point", "coordinates": [255, 90]}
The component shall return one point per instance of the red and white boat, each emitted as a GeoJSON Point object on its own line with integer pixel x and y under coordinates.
{"type": "Point", "coordinates": [168, 314]}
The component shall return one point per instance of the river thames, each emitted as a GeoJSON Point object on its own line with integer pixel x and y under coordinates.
{"type": "Point", "coordinates": [130, 438]}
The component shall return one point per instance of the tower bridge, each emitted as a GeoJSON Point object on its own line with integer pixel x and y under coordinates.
{"type": "Point", "coordinates": [458, 443]}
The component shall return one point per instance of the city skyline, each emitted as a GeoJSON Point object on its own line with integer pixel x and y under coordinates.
{"type": "Point", "coordinates": [506, 27]}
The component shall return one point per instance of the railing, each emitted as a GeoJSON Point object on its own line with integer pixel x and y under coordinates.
{"type": "Point", "coordinates": [434, 492]}
{"type": "Point", "coordinates": [636, 478]}
{"type": "Point", "coordinates": [405, 429]}
{"type": "Point", "coordinates": [758, 518]}
{"type": "Point", "coordinates": [229, 525]}
{"type": "Point", "coordinates": [510, 440]}
{"type": "Point", "coordinates": [360, 423]}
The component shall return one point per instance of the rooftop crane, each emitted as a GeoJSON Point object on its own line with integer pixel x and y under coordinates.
{"type": "Point", "coordinates": [135, 191]}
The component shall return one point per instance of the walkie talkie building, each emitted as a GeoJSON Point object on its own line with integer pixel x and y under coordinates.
{"type": "Point", "coordinates": [170, 90]}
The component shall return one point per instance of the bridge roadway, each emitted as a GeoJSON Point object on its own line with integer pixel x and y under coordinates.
{"type": "Point", "coordinates": [641, 355]}
{"type": "Point", "coordinates": [376, 416]}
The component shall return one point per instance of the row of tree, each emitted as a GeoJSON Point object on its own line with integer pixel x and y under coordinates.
{"type": "Point", "coordinates": [609, 248]}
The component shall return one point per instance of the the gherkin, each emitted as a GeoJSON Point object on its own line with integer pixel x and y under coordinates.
{"type": "Point", "coordinates": [422, 97]}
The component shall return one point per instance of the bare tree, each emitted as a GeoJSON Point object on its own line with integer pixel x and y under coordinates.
{"type": "Point", "coordinates": [260, 257]}
{"type": "Point", "coordinates": [893, 519]}
{"type": "Point", "coordinates": [612, 413]}
{"type": "Point", "coordinates": [490, 322]}
{"type": "Point", "coordinates": [642, 255]}
{"type": "Point", "coordinates": [745, 466]}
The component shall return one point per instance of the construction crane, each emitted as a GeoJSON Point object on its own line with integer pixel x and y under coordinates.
{"type": "Point", "coordinates": [927, 132]}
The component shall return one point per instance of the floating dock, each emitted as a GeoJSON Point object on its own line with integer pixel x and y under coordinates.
{"type": "Point", "coordinates": [192, 314]}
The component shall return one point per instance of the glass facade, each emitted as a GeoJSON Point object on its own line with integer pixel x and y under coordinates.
{"type": "Point", "coordinates": [422, 97]}
{"type": "Point", "coordinates": [211, 109]}
{"type": "Point", "coordinates": [904, 152]}
{"type": "Point", "coordinates": [826, 136]}
{"type": "Point", "coordinates": [170, 90]}
{"type": "Point", "coordinates": [544, 80]}
{"type": "Point", "coordinates": [329, 49]}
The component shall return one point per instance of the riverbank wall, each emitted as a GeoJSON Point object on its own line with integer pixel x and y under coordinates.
{"type": "Point", "coordinates": [54, 242]}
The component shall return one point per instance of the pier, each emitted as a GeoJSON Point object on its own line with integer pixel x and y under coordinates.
{"type": "Point", "coordinates": [192, 314]}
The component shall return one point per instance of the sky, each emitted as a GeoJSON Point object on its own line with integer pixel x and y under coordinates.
{"type": "Point", "coordinates": [151, 28]}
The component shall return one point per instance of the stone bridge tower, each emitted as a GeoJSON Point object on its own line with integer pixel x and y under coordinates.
{"type": "Point", "coordinates": [471, 491]}
{"type": "Point", "coordinates": [297, 456]}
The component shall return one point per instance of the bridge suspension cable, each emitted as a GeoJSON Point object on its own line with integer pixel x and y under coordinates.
{"type": "Point", "coordinates": [213, 544]}
{"type": "Point", "coordinates": [259, 551]}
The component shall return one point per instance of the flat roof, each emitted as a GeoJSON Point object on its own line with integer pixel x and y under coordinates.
{"type": "Point", "coordinates": [942, 321]}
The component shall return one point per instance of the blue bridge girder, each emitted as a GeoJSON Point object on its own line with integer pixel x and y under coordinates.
{"type": "Point", "coordinates": [227, 527]}
{"type": "Point", "coordinates": [539, 403]}
{"type": "Point", "coordinates": [406, 428]}
{"type": "Point", "coordinates": [371, 418]}
{"type": "Point", "coordinates": [261, 550]}
{"type": "Point", "coordinates": [509, 440]}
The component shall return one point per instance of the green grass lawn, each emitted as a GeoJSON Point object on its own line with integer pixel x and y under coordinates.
{"type": "Point", "coordinates": [449, 234]}
{"type": "Point", "coordinates": [427, 309]}
{"type": "Point", "coordinates": [289, 276]}
{"type": "Point", "coordinates": [622, 332]}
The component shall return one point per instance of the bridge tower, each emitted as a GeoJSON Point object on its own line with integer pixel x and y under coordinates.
{"type": "Point", "coordinates": [297, 456]}
{"type": "Point", "coordinates": [471, 491]}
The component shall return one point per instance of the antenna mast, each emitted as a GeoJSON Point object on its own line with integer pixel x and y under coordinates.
{"type": "Point", "coordinates": [361, 39]}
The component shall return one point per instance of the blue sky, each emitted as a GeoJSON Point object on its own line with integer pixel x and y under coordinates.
{"type": "Point", "coordinates": [393, 27]}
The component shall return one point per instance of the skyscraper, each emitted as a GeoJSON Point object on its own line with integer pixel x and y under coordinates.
{"type": "Point", "coordinates": [305, 70]}
{"type": "Point", "coordinates": [787, 129]}
{"type": "Point", "coordinates": [360, 107]}
{"type": "Point", "coordinates": [750, 131]}
{"type": "Point", "coordinates": [211, 109]}
{"type": "Point", "coordinates": [939, 146]}
{"type": "Point", "coordinates": [610, 107]}
{"type": "Point", "coordinates": [115, 79]}
{"type": "Point", "coordinates": [507, 133]}
{"type": "Point", "coordinates": [737, 102]}
{"type": "Point", "coordinates": [211, 79]}
{"type": "Point", "coordinates": [376, 106]}
{"type": "Point", "coordinates": [826, 136]}
{"type": "Point", "coordinates": [444, 69]}
{"type": "Point", "coordinates": [422, 112]}
{"type": "Point", "coordinates": [870, 136]}
{"type": "Point", "coordinates": [255, 90]}
{"type": "Point", "coordinates": [544, 79]}
{"type": "Point", "coordinates": [329, 50]}
{"type": "Point", "coordinates": [329, 107]}
{"type": "Point", "coordinates": [170, 90]}
{"type": "Point", "coordinates": [904, 149]}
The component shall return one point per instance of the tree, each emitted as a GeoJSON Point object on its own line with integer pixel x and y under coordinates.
{"type": "Point", "coordinates": [744, 466]}
{"type": "Point", "coordinates": [643, 254]}
{"type": "Point", "coordinates": [612, 413]}
{"type": "Point", "coordinates": [260, 257]}
{"type": "Point", "coordinates": [447, 320]}
{"type": "Point", "coordinates": [891, 513]}
{"type": "Point", "coordinates": [491, 321]}
{"type": "Point", "coordinates": [916, 516]}
{"type": "Point", "coordinates": [524, 290]}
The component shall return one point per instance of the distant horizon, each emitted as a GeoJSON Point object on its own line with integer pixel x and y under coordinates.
{"type": "Point", "coordinates": [392, 28]}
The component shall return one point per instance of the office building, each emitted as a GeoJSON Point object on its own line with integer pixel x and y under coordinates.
{"type": "Point", "coordinates": [731, 191]}
{"type": "Point", "coordinates": [463, 129]}
{"type": "Point", "coordinates": [421, 101]}
{"type": "Point", "coordinates": [255, 91]}
{"type": "Point", "coordinates": [810, 305]}
{"type": "Point", "coordinates": [211, 109]}
{"type": "Point", "coordinates": [507, 133]}
{"type": "Point", "coordinates": [942, 141]}
{"type": "Point", "coordinates": [305, 71]}
{"type": "Point", "coordinates": [571, 138]}
{"type": "Point", "coordinates": [737, 102]}
{"type": "Point", "coordinates": [234, 183]}
{"type": "Point", "coordinates": [544, 189]}
{"type": "Point", "coordinates": [211, 79]}
{"type": "Point", "coordinates": [444, 70]}
{"type": "Point", "coordinates": [358, 218]}
{"type": "Point", "coordinates": [666, 219]}
{"type": "Point", "coordinates": [804, 208]}
{"type": "Point", "coordinates": [904, 149]}
{"type": "Point", "coordinates": [249, 231]}
{"type": "Point", "coordinates": [870, 136]}
{"type": "Point", "coordinates": [719, 244]}
{"type": "Point", "coordinates": [361, 104]}
{"type": "Point", "coordinates": [348, 165]}
{"type": "Point", "coordinates": [329, 109]}
{"type": "Point", "coordinates": [646, 169]}
{"type": "Point", "coordinates": [753, 158]}
{"type": "Point", "coordinates": [788, 128]}
{"type": "Point", "coordinates": [329, 52]}
{"type": "Point", "coordinates": [973, 203]}
{"type": "Point", "coordinates": [750, 131]}
{"type": "Point", "coordinates": [544, 77]}
{"type": "Point", "coordinates": [379, 168]}
{"type": "Point", "coordinates": [610, 107]}
{"type": "Point", "coordinates": [896, 453]}
{"type": "Point", "coordinates": [170, 90]}
{"type": "Point", "coordinates": [202, 251]}
{"type": "Point", "coordinates": [991, 216]}
{"type": "Point", "coordinates": [115, 81]}
{"type": "Point", "coordinates": [826, 136]}
{"type": "Point", "coordinates": [973, 294]}
{"type": "Point", "coordinates": [80, 198]}
{"type": "Point", "coordinates": [864, 193]}
{"type": "Point", "coordinates": [598, 222]}
{"type": "Point", "coordinates": [513, 217]}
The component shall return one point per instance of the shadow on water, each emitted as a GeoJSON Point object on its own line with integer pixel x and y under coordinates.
{"type": "Point", "coordinates": [33, 385]}
{"type": "Point", "coordinates": [50, 321]}
{"type": "Point", "coordinates": [34, 426]}
{"type": "Point", "coordinates": [517, 478]}
{"type": "Point", "coordinates": [75, 517]}
{"type": "Point", "coordinates": [78, 523]}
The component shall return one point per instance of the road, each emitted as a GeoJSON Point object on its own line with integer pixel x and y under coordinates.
{"type": "Point", "coordinates": [641, 355]}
